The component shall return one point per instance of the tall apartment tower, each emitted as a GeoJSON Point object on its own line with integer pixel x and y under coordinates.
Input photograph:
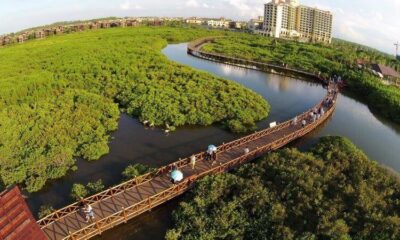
{"type": "Point", "coordinates": [288, 19]}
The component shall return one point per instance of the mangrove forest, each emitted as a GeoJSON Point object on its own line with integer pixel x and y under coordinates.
{"type": "Point", "coordinates": [333, 191]}
{"type": "Point", "coordinates": [61, 97]}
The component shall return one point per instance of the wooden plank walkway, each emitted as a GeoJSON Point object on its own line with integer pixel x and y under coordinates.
{"type": "Point", "coordinates": [127, 200]}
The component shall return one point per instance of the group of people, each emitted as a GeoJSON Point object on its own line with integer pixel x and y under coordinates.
{"type": "Point", "coordinates": [336, 79]}
{"type": "Point", "coordinates": [211, 154]}
{"type": "Point", "coordinates": [329, 100]}
{"type": "Point", "coordinates": [316, 114]}
{"type": "Point", "coordinates": [87, 210]}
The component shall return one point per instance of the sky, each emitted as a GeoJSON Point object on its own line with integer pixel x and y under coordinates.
{"type": "Point", "coordinates": [373, 23]}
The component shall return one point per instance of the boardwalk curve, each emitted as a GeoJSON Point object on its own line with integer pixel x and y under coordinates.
{"type": "Point", "coordinates": [127, 200]}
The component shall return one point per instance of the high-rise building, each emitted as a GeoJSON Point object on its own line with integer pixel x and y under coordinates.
{"type": "Point", "coordinates": [289, 19]}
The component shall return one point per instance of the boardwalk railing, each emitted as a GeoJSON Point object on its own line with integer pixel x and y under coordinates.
{"type": "Point", "coordinates": [124, 214]}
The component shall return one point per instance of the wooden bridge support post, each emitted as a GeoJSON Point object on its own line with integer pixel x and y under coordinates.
{"type": "Point", "coordinates": [98, 227]}
{"type": "Point", "coordinates": [124, 214]}
{"type": "Point", "coordinates": [71, 236]}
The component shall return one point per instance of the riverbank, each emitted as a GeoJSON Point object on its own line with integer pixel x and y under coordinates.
{"type": "Point", "coordinates": [338, 58]}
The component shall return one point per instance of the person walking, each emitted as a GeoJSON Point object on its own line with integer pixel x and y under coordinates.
{"type": "Point", "coordinates": [214, 157]}
{"type": "Point", "coordinates": [246, 150]}
{"type": "Point", "coordinates": [193, 161]}
{"type": "Point", "coordinates": [294, 121]}
{"type": "Point", "coordinates": [208, 155]}
{"type": "Point", "coordinates": [89, 212]}
{"type": "Point", "coordinates": [174, 167]}
{"type": "Point", "coordinates": [82, 207]}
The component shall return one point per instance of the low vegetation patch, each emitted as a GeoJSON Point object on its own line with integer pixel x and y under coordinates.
{"type": "Point", "coordinates": [80, 191]}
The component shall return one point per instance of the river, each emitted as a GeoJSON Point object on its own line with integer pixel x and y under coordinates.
{"type": "Point", "coordinates": [132, 143]}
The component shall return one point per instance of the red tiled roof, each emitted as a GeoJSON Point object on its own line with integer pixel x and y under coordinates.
{"type": "Point", "coordinates": [16, 220]}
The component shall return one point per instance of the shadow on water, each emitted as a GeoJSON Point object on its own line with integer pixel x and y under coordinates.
{"type": "Point", "coordinates": [387, 122]}
{"type": "Point", "coordinates": [132, 143]}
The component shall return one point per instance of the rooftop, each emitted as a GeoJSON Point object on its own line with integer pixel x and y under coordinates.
{"type": "Point", "coordinates": [385, 70]}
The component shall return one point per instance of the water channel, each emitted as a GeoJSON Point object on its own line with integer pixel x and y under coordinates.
{"type": "Point", "coordinates": [133, 143]}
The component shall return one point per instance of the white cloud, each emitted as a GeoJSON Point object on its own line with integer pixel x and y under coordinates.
{"type": "Point", "coordinates": [247, 8]}
{"type": "Point", "coordinates": [372, 23]}
{"type": "Point", "coordinates": [192, 3]}
{"type": "Point", "coordinates": [129, 5]}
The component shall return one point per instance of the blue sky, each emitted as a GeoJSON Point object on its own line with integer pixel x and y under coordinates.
{"type": "Point", "coordinates": [373, 23]}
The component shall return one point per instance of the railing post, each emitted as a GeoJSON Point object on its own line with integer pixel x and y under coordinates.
{"type": "Point", "coordinates": [98, 227]}
{"type": "Point", "coordinates": [71, 236]}
{"type": "Point", "coordinates": [124, 214]}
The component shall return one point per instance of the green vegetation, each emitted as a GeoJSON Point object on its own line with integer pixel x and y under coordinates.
{"type": "Point", "coordinates": [332, 192]}
{"type": "Point", "coordinates": [135, 170]}
{"type": "Point", "coordinates": [337, 58]}
{"type": "Point", "coordinates": [45, 210]}
{"type": "Point", "coordinates": [60, 97]}
{"type": "Point", "coordinates": [80, 191]}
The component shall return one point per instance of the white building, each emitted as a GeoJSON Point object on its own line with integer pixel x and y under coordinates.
{"type": "Point", "coordinates": [195, 20]}
{"type": "Point", "coordinates": [218, 23]}
{"type": "Point", "coordinates": [288, 19]}
{"type": "Point", "coordinates": [256, 24]}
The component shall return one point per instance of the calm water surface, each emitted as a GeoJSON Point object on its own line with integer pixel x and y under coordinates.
{"type": "Point", "coordinates": [132, 143]}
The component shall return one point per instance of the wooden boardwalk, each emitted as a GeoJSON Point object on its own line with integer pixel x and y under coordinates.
{"type": "Point", "coordinates": [127, 200]}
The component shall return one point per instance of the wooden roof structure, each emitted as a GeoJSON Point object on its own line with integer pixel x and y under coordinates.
{"type": "Point", "coordinates": [16, 220]}
{"type": "Point", "coordinates": [385, 70]}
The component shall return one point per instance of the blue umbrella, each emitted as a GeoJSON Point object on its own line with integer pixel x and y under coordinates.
{"type": "Point", "coordinates": [176, 175]}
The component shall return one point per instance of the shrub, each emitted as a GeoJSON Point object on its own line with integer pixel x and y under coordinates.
{"type": "Point", "coordinates": [95, 187]}
{"type": "Point", "coordinates": [78, 191]}
{"type": "Point", "coordinates": [135, 170]}
{"type": "Point", "coordinates": [45, 210]}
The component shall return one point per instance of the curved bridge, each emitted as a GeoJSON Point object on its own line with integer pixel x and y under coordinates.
{"type": "Point", "coordinates": [129, 199]}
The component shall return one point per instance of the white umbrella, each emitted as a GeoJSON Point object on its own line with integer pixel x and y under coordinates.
{"type": "Point", "coordinates": [212, 148]}
{"type": "Point", "coordinates": [176, 175]}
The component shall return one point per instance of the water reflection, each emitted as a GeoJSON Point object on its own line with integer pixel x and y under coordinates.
{"type": "Point", "coordinates": [378, 138]}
